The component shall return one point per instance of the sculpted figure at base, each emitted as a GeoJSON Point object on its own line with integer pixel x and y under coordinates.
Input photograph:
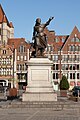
{"type": "Point", "coordinates": [39, 37]}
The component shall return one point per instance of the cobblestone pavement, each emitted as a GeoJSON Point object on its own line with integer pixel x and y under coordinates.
{"type": "Point", "coordinates": [38, 114]}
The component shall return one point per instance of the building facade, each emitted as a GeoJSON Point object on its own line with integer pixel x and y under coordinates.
{"type": "Point", "coordinates": [13, 55]}
{"type": "Point", "coordinates": [64, 51]}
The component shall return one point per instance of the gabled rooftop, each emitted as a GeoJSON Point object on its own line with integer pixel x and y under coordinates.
{"type": "Point", "coordinates": [3, 17]}
{"type": "Point", "coordinates": [16, 42]}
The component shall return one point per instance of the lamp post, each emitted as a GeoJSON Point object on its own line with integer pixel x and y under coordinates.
{"type": "Point", "coordinates": [13, 91]}
{"type": "Point", "coordinates": [75, 58]}
{"type": "Point", "coordinates": [13, 50]}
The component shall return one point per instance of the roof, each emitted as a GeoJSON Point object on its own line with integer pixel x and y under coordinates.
{"type": "Point", "coordinates": [3, 17]}
{"type": "Point", "coordinates": [16, 42]}
{"type": "Point", "coordinates": [74, 31]}
{"type": "Point", "coordinates": [11, 25]}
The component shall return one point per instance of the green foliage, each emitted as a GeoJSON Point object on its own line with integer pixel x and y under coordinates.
{"type": "Point", "coordinates": [64, 84]}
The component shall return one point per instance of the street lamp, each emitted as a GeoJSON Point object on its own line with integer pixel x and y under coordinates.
{"type": "Point", "coordinates": [75, 57]}
{"type": "Point", "coordinates": [13, 50]}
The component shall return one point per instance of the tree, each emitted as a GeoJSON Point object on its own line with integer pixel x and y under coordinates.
{"type": "Point", "coordinates": [64, 84]}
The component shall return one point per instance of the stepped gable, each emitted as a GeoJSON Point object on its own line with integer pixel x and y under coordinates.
{"type": "Point", "coordinates": [72, 35]}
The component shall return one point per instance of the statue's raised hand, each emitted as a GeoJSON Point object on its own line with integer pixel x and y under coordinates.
{"type": "Point", "coordinates": [51, 18]}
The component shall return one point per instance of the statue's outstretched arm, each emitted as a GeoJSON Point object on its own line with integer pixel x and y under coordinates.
{"type": "Point", "coordinates": [47, 23]}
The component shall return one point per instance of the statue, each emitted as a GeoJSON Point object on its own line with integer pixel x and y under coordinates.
{"type": "Point", "coordinates": [39, 37]}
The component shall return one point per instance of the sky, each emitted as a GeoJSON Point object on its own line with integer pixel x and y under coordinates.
{"type": "Point", "coordinates": [23, 14]}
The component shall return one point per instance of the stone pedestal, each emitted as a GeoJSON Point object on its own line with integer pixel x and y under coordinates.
{"type": "Point", "coordinates": [39, 81]}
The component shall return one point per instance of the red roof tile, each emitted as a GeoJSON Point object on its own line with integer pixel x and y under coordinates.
{"type": "Point", "coordinates": [16, 42]}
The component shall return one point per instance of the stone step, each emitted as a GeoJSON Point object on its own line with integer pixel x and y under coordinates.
{"type": "Point", "coordinates": [52, 105]}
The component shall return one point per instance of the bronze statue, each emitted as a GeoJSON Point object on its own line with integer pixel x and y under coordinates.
{"type": "Point", "coordinates": [39, 37]}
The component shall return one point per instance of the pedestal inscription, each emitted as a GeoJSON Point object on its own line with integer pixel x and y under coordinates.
{"type": "Point", "coordinates": [40, 74]}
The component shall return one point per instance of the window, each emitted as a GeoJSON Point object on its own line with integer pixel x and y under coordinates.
{"type": "Point", "coordinates": [64, 58]}
{"type": "Point", "coordinates": [20, 67]}
{"type": "Point", "coordinates": [17, 66]}
{"type": "Point", "coordinates": [72, 48]}
{"type": "Point", "coordinates": [25, 58]}
{"type": "Point", "coordinates": [65, 67]}
{"type": "Point", "coordinates": [23, 67]}
{"type": "Point", "coordinates": [56, 39]}
{"type": "Point", "coordinates": [69, 48]}
{"type": "Point", "coordinates": [72, 67]}
{"type": "Point", "coordinates": [77, 40]}
{"type": "Point", "coordinates": [77, 67]}
{"type": "Point", "coordinates": [77, 57]}
{"type": "Point", "coordinates": [21, 49]}
{"type": "Point", "coordinates": [55, 58]}
{"type": "Point", "coordinates": [17, 57]}
{"type": "Point", "coordinates": [72, 58]}
{"type": "Point", "coordinates": [4, 51]}
{"type": "Point", "coordinates": [78, 76]}
{"type": "Point", "coordinates": [49, 48]}
{"type": "Point", "coordinates": [77, 48]}
{"type": "Point", "coordinates": [73, 40]}
{"type": "Point", "coordinates": [63, 39]}
{"type": "Point", "coordinates": [72, 75]}
{"type": "Point", "coordinates": [55, 67]}
{"type": "Point", "coordinates": [8, 61]}
{"type": "Point", "coordinates": [55, 75]}
{"type": "Point", "coordinates": [22, 58]}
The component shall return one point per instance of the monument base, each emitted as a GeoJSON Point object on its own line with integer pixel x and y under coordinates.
{"type": "Point", "coordinates": [39, 96]}
{"type": "Point", "coordinates": [39, 81]}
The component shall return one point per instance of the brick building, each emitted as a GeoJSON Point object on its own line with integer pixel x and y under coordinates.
{"type": "Point", "coordinates": [63, 50]}
{"type": "Point", "coordinates": [13, 55]}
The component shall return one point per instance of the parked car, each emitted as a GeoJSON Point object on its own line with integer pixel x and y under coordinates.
{"type": "Point", "coordinates": [76, 91]}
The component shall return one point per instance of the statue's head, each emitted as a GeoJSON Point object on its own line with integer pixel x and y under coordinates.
{"type": "Point", "coordinates": [38, 20]}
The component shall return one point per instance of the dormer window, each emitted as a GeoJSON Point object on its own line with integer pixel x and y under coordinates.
{"type": "Point", "coordinates": [63, 39]}
{"type": "Point", "coordinates": [56, 39]}
{"type": "Point", "coordinates": [21, 49]}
